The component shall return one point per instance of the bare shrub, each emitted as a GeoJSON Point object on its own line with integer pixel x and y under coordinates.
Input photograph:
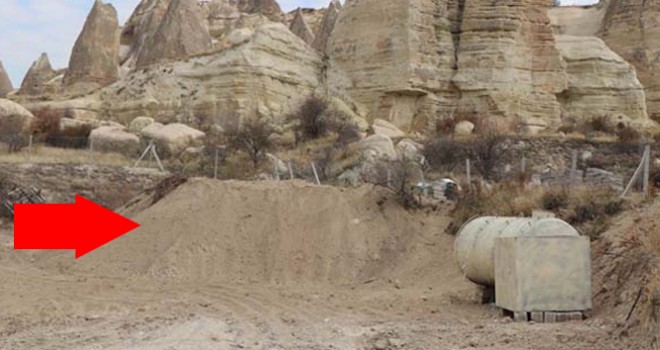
{"type": "Point", "coordinates": [627, 134]}
{"type": "Point", "coordinates": [12, 132]}
{"type": "Point", "coordinates": [47, 128]}
{"type": "Point", "coordinates": [487, 151]}
{"type": "Point", "coordinates": [253, 138]}
{"type": "Point", "coordinates": [443, 154]}
{"type": "Point", "coordinates": [314, 122]}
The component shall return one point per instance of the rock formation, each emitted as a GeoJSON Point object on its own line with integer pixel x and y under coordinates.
{"type": "Point", "coordinates": [268, 8]}
{"type": "Point", "coordinates": [141, 27]}
{"type": "Point", "coordinates": [600, 82]}
{"type": "Point", "coordinates": [508, 65]}
{"type": "Point", "coordinates": [95, 57]}
{"type": "Point", "coordinates": [38, 76]}
{"type": "Point", "coordinates": [631, 28]}
{"type": "Point", "coordinates": [14, 118]}
{"type": "Point", "coordinates": [300, 28]}
{"type": "Point", "coordinates": [327, 26]}
{"type": "Point", "coordinates": [180, 35]}
{"type": "Point", "coordinates": [5, 83]}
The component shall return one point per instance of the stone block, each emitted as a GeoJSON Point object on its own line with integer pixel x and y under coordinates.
{"type": "Point", "coordinates": [551, 273]}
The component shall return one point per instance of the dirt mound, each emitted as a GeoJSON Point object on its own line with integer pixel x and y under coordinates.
{"type": "Point", "coordinates": [282, 232]}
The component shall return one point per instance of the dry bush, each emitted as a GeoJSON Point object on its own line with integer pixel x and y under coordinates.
{"type": "Point", "coordinates": [588, 209]}
{"type": "Point", "coordinates": [443, 154]}
{"type": "Point", "coordinates": [627, 134]}
{"type": "Point", "coordinates": [314, 122]}
{"type": "Point", "coordinates": [487, 151]}
{"type": "Point", "coordinates": [47, 129]}
{"type": "Point", "coordinates": [253, 138]}
{"type": "Point", "coordinates": [12, 132]}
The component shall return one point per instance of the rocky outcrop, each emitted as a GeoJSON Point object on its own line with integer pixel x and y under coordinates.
{"type": "Point", "coordinates": [140, 29]}
{"type": "Point", "coordinates": [631, 28]}
{"type": "Point", "coordinates": [94, 60]}
{"type": "Point", "coordinates": [5, 83]}
{"type": "Point", "coordinates": [269, 73]}
{"type": "Point", "coordinates": [180, 35]}
{"type": "Point", "coordinates": [327, 26]}
{"type": "Point", "coordinates": [578, 20]}
{"type": "Point", "coordinates": [268, 8]}
{"type": "Point", "coordinates": [14, 118]}
{"type": "Point", "coordinates": [300, 28]}
{"type": "Point", "coordinates": [173, 139]}
{"type": "Point", "coordinates": [115, 139]}
{"type": "Point", "coordinates": [508, 65]}
{"type": "Point", "coordinates": [400, 66]}
{"type": "Point", "coordinates": [36, 81]}
{"type": "Point", "coordinates": [600, 82]}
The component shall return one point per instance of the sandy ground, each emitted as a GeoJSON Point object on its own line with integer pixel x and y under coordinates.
{"type": "Point", "coordinates": [299, 277]}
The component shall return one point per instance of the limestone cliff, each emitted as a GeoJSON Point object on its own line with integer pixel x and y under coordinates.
{"type": "Point", "coordinates": [600, 82]}
{"type": "Point", "coordinates": [632, 29]}
{"type": "Point", "coordinates": [507, 61]}
{"type": "Point", "coordinates": [5, 83]}
{"type": "Point", "coordinates": [180, 35]}
{"type": "Point", "coordinates": [94, 60]}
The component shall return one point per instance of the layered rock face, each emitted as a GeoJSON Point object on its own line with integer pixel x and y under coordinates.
{"type": "Point", "coordinates": [400, 66]}
{"type": "Point", "coordinates": [632, 29]}
{"type": "Point", "coordinates": [300, 28]}
{"type": "Point", "coordinates": [600, 83]}
{"type": "Point", "coordinates": [507, 61]}
{"type": "Point", "coordinates": [94, 61]}
{"type": "Point", "coordinates": [37, 81]}
{"type": "Point", "coordinates": [180, 35]}
{"type": "Point", "coordinates": [268, 8]}
{"type": "Point", "coordinates": [5, 83]}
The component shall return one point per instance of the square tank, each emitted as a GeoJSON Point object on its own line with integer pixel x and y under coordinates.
{"type": "Point", "coordinates": [550, 273]}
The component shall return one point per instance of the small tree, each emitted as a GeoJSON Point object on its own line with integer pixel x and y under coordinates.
{"type": "Point", "coordinates": [443, 153]}
{"type": "Point", "coordinates": [252, 138]}
{"type": "Point", "coordinates": [487, 151]}
{"type": "Point", "coordinates": [314, 121]}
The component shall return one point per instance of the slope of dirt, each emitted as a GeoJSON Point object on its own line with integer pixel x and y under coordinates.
{"type": "Point", "coordinates": [232, 265]}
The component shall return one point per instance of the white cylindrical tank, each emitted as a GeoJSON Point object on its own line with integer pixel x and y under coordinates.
{"type": "Point", "coordinates": [475, 243]}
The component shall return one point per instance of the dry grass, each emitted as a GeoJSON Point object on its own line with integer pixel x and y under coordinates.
{"type": "Point", "coordinates": [52, 155]}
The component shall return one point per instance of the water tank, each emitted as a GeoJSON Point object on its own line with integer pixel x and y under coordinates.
{"type": "Point", "coordinates": [475, 243]}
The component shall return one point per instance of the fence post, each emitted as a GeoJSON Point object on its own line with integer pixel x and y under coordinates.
{"type": "Point", "coordinates": [640, 168]}
{"type": "Point", "coordinates": [276, 169]}
{"type": "Point", "coordinates": [215, 166]}
{"type": "Point", "coordinates": [467, 173]}
{"type": "Point", "coordinates": [647, 168]}
{"type": "Point", "coordinates": [290, 169]}
{"type": "Point", "coordinates": [91, 150]}
{"type": "Point", "coordinates": [523, 164]}
{"type": "Point", "coordinates": [30, 148]}
{"type": "Point", "coordinates": [573, 166]}
{"type": "Point", "coordinates": [316, 174]}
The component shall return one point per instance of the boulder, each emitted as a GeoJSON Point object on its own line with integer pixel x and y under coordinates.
{"type": "Point", "coordinates": [139, 123]}
{"type": "Point", "coordinates": [94, 60]}
{"type": "Point", "coordinates": [180, 35]}
{"type": "Point", "coordinates": [70, 123]}
{"type": "Point", "coordinates": [378, 146]}
{"type": "Point", "coordinates": [383, 127]}
{"type": "Point", "coordinates": [464, 128]}
{"type": "Point", "coordinates": [300, 28]}
{"type": "Point", "coordinates": [172, 139]}
{"type": "Point", "coordinates": [408, 149]}
{"type": "Point", "coordinates": [115, 139]}
{"type": "Point", "coordinates": [14, 118]}
{"type": "Point", "coordinates": [5, 83]}
{"type": "Point", "coordinates": [37, 78]}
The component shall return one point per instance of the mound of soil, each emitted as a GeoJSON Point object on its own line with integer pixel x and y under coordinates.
{"type": "Point", "coordinates": [286, 232]}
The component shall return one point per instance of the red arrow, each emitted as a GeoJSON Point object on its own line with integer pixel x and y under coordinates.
{"type": "Point", "coordinates": [83, 226]}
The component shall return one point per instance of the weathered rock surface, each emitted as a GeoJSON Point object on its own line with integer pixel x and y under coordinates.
{"type": "Point", "coordinates": [270, 73]}
{"type": "Point", "coordinates": [14, 118]}
{"type": "Point", "coordinates": [138, 124]}
{"type": "Point", "coordinates": [268, 8]}
{"type": "Point", "coordinates": [5, 83]}
{"type": "Point", "coordinates": [36, 81]}
{"type": "Point", "coordinates": [140, 29]}
{"type": "Point", "coordinates": [578, 20]}
{"type": "Point", "coordinates": [94, 60]}
{"type": "Point", "coordinates": [180, 35]}
{"type": "Point", "coordinates": [115, 139]}
{"type": "Point", "coordinates": [508, 65]}
{"type": "Point", "coordinates": [300, 28]}
{"type": "Point", "coordinates": [464, 128]}
{"type": "Point", "coordinates": [327, 26]}
{"type": "Point", "coordinates": [632, 29]}
{"type": "Point", "coordinates": [600, 82]}
{"type": "Point", "coordinates": [378, 146]}
{"type": "Point", "coordinates": [400, 66]}
{"type": "Point", "coordinates": [172, 139]}
{"type": "Point", "coordinates": [383, 127]}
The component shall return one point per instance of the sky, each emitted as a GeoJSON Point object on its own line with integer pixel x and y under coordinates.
{"type": "Point", "coordinates": [30, 27]}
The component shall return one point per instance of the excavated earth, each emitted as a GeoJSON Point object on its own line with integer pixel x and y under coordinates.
{"type": "Point", "coordinates": [288, 265]}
